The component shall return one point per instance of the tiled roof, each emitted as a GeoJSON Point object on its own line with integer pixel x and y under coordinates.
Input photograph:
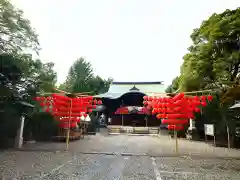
{"type": "Point", "coordinates": [117, 89]}
{"type": "Point", "coordinates": [137, 83]}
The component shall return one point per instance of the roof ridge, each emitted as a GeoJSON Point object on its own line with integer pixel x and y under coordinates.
{"type": "Point", "coordinates": [137, 82]}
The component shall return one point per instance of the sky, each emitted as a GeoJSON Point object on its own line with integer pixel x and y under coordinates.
{"type": "Point", "coordinates": [128, 40]}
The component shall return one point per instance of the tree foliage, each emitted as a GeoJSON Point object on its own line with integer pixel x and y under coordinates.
{"type": "Point", "coordinates": [214, 57]}
{"type": "Point", "coordinates": [16, 33]}
{"type": "Point", "coordinates": [82, 79]}
{"type": "Point", "coordinates": [21, 76]}
{"type": "Point", "coordinates": [213, 62]}
{"type": "Point", "coordinates": [174, 86]}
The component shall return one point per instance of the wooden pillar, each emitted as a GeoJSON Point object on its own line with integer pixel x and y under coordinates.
{"type": "Point", "coordinates": [122, 120]}
{"type": "Point", "coordinates": [146, 119]}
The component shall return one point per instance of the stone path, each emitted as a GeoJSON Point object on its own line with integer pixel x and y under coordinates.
{"type": "Point", "coordinates": [138, 145]}
{"type": "Point", "coordinates": [120, 157]}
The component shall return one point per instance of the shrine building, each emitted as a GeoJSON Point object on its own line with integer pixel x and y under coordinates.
{"type": "Point", "coordinates": [123, 103]}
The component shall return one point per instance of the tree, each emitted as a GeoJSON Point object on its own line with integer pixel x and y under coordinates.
{"type": "Point", "coordinates": [214, 58]}
{"type": "Point", "coordinates": [174, 86]}
{"type": "Point", "coordinates": [16, 33]}
{"type": "Point", "coordinates": [213, 61]}
{"type": "Point", "coordinates": [98, 85]}
{"type": "Point", "coordinates": [80, 73]}
{"type": "Point", "coordinates": [81, 79]}
{"type": "Point", "coordinates": [22, 77]}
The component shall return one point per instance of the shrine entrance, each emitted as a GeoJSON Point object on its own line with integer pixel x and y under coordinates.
{"type": "Point", "coordinates": [124, 104]}
{"type": "Point", "coordinates": [128, 110]}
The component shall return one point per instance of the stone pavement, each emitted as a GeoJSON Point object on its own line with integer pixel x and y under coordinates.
{"type": "Point", "coordinates": [137, 145]}
{"type": "Point", "coordinates": [120, 157]}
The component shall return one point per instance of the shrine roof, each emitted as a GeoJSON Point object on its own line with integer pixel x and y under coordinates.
{"type": "Point", "coordinates": [138, 83]}
{"type": "Point", "coordinates": [111, 95]}
{"type": "Point", "coordinates": [118, 89]}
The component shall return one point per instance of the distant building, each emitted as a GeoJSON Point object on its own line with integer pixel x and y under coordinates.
{"type": "Point", "coordinates": [127, 97]}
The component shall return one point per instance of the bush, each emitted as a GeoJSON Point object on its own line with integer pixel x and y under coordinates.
{"type": "Point", "coordinates": [8, 129]}
{"type": "Point", "coordinates": [41, 126]}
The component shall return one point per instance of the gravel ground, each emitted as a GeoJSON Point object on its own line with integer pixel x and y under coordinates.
{"type": "Point", "coordinates": [120, 157]}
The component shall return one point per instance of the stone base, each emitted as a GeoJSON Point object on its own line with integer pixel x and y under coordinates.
{"type": "Point", "coordinates": [192, 135]}
{"type": "Point", "coordinates": [18, 142]}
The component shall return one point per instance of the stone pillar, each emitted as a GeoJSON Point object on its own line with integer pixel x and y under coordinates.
{"type": "Point", "coordinates": [192, 131]}
{"type": "Point", "coordinates": [192, 125]}
{"type": "Point", "coordinates": [19, 137]}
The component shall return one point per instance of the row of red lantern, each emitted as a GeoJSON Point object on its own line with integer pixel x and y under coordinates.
{"type": "Point", "coordinates": [175, 116]}
{"type": "Point", "coordinates": [174, 104]}
{"type": "Point", "coordinates": [173, 111]}
{"type": "Point", "coordinates": [59, 111]}
{"type": "Point", "coordinates": [73, 109]}
{"type": "Point", "coordinates": [176, 110]}
{"type": "Point", "coordinates": [67, 119]}
{"type": "Point", "coordinates": [179, 103]}
{"type": "Point", "coordinates": [56, 102]}
{"type": "Point", "coordinates": [65, 99]}
{"type": "Point", "coordinates": [177, 97]}
{"type": "Point", "coordinates": [175, 127]}
{"type": "Point", "coordinates": [60, 106]}
{"type": "Point", "coordinates": [178, 106]}
{"type": "Point", "coordinates": [174, 121]}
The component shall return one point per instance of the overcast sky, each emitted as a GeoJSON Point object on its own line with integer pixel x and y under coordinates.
{"type": "Point", "coordinates": [128, 40]}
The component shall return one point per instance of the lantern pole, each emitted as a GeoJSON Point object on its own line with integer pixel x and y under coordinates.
{"type": "Point", "coordinates": [122, 119]}
{"type": "Point", "coordinates": [122, 114]}
{"type": "Point", "coordinates": [69, 121]}
{"type": "Point", "coordinates": [176, 139]}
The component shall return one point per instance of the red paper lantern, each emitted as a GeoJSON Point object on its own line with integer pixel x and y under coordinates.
{"type": "Point", "coordinates": [159, 116]}
{"type": "Point", "coordinates": [203, 98]}
{"type": "Point", "coordinates": [42, 104]}
{"type": "Point", "coordinates": [150, 98]}
{"type": "Point", "coordinates": [197, 110]}
{"type": "Point", "coordinates": [210, 98]}
{"type": "Point", "coordinates": [175, 127]}
{"type": "Point", "coordinates": [145, 103]}
{"type": "Point", "coordinates": [99, 102]}
{"type": "Point", "coordinates": [203, 103]}
{"type": "Point", "coordinates": [178, 97]}
{"type": "Point", "coordinates": [174, 121]}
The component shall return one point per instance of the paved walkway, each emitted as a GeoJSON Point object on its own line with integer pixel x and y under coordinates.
{"type": "Point", "coordinates": [137, 145]}
{"type": "Point", "coordinates": [120, 157]}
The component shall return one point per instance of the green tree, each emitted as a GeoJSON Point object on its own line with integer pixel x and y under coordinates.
{"type": "Point", "coordinates": [82, 79]}
{"type": "Point", "coordinates": [174, 86]}
{"type": "Point", "coordinates": [21, 77]}
{"type": "Point", "coordinates": [214, 58]}
{"type": "Point", "coordinates": [213, 61]}
{"type": "Point", "coordinates": [79, 75]}
{"type": "Point", "coordinates": [16, 33]}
